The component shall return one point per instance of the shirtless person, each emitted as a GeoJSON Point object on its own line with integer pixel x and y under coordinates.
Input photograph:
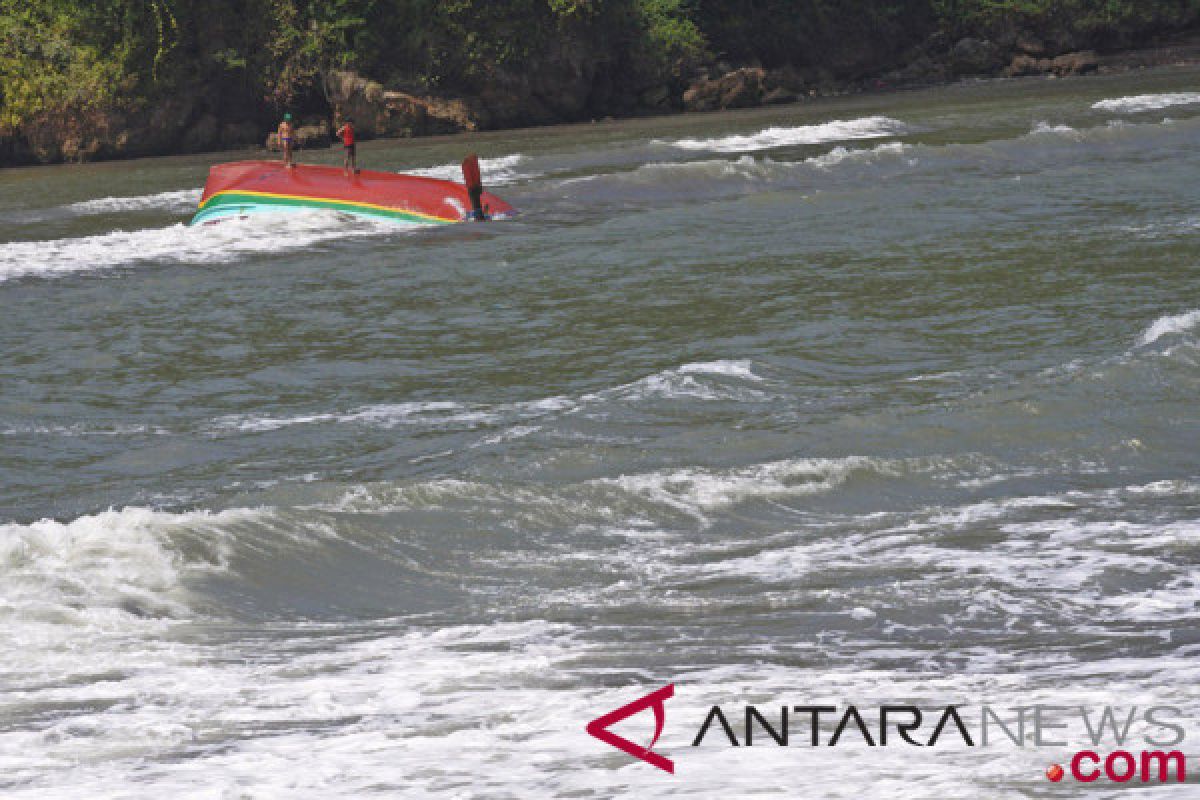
{"type": "Point", "coordinates": [286, 136]}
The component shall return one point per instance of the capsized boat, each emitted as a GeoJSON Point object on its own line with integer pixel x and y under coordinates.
{"type": "Point", "coordinates": [242, 188]}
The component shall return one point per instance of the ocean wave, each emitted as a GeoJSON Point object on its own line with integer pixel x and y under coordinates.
{"type": "Point", "coordinates": [1024, 545]}
{"type": "Point", "coordinates": [433, 414]}
{"type": "Point", "coordinates": [716, 175]}
{"type": "Point", "coordinates": [632, 499]}
{"type": "Point", "coordinates": [182, 200]}
{"type": "Point", "coordinates": [500, 171]}
{"type": "Point", "coordinates": [675, 173]}
{"type": "Point", "coordinates": [733, 369]}
{"type": "Point", "coordinates": [842, 155]}
{"type": "Point", "coordinates": [1043, 128]}
{"type": "Point", "coordinates": [80, 429]}
{"type": "Point", "coordinates": [1133, 104]}
{"type": "Point", "coordinates": [876, 127]}
{"type": "Point", "coordinates": [710, 380]}
{"type": "Point", "coordinates": [109, 568]}
{"type": "Point", "coordinates": [201, 244]}
{"type": "Point", "coordinates": [699, 490]}
{"type": "Point", "coordinates": [1170, 326]}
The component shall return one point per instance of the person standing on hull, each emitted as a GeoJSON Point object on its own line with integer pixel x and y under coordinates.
{"type": "Point", "coordinates": [287, 135]}
{"type": "Point", "coordinates": [350, 156]}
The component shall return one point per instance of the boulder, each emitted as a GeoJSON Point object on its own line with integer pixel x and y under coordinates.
{"type": "Point", "coordinates": [701, 96]}
{"type": "Point", "coordinates": [308, 137]}
{"type": "Point", "coordinates": [1029, 44]}
{"type": "Point", "coordinates": [1024, 66]}
{"type": "Point", "coordinates": [1080, 63]}
{"type": "Point", "coordinates": [416, 115]}
{"type": "Point", "coordinates": [972, 56]}
{"type": "Point", "coordinates": [740, 88]}
{"type": "Point", "coordinates": [378, 111]}
{"type": "Point", "coordinates": [359, 99]}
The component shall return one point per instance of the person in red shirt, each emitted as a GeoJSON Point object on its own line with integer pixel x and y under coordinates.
{"type": "Point", "coordinates": [350, 158]}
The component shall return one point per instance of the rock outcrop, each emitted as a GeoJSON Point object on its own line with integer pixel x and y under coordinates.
{"type": "Point", "coordinates": [746, 87]}
{"type": "Point", "coordinates": [378, 111]}
{"type": "Point", "coordinates": [576, 79]}
{"type": "Point", "coordinates": [972, 56]}
{"type": "Point", "coordinates": [173, 125]}
{"type": "Point", "coordinates": [307, 137]}
{"type": "Point", "coordinates": [1080, 63]}
{"type": "Point", "coordinates": [740, 88]}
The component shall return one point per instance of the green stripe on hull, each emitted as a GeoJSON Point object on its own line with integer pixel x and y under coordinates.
{"type": "Point", "coordinates": [232, 204]}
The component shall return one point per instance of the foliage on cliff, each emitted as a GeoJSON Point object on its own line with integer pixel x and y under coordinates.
{"type": "Point", "coordinates": [247, 59]}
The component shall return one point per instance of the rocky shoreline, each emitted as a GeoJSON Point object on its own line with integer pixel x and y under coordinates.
{"type": "Point", "coordinates": [186, 125]}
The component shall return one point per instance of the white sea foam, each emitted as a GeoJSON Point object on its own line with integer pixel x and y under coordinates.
{"type": "Point", "coordinates": [181, 201]}
{"type": "Point", "coordinates": [733, 369]}
{"type": "Point", "coordinates": [411, 713]}
{"type": "Point", "coordinates": [1043, 128]}
{"type": "Point", "coordinates": [390, 415]}
{"type": "Point", "coordinates": [698, 490]}
{"type": "Point", "coordinates": [876, 127]}
{"type": "Point", "coordinates": [495, 171]}
{"type": "Point", "coordinates": [102, 568]}
{"type": "Point", "coordinates": [80, 429]}
{"type": "Point", "coordinates": [228, 241]}
{"type": "Point", "coordinates": [691, 381]}
{"type": "Point", "coordinates": [694, 381]}
{"type": "Point", "coordinates": [436, 414]}
{"type": "Point", "coordinates": [842, 155]}
{"type": "Point", "coordinates": [400, 707]}
{"type": "Point", "coordinates": [1170, 326]}
{"type": "Point", "coordinates": [657, 173]}
{"type": "Point", "coordinates": [1133, 104]}
{"type": "Point", "coordinates": [747, 168]}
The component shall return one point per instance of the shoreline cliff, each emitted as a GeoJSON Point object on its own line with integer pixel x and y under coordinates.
{"type": "Point", "coordinates": [177, 76]}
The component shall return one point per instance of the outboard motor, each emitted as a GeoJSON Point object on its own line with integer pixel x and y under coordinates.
{"type": "Point", "coordinates": [474, 181]}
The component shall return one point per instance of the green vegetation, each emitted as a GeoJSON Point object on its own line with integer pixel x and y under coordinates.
{"type": "Point", "coordinates": [247, 59]}
{"type": "Point", "coordinates": [1102, 22]}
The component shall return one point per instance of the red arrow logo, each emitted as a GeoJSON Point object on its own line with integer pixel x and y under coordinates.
{"type": "Point", "coordinates": [599, 727]}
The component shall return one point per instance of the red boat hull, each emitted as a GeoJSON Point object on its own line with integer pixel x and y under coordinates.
{"type": "Point", "coordinates": [247, 187]}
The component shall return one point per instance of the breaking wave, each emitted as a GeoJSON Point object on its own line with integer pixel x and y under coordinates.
{"type": "Point", "coordinates": [1170, 326]}
{"type": "Point", "coordinates": [204, 244]}
{"type": "Point", "coordinates": [1134, 104]}
{"type": "Point", "coordinates": [843, 155]}
{"type": "Point", "coordinates": [108, 568]}
{"type": "Point", "coordinates": [710, 380]}
{"type": "Point", "coordinates": [1042, 128]}
{"type": "Point", "coordinates": [500, 171]}
{"type": "Point", "coordinates": [700, 490]}
{"type": "Point", "coordinates": [876, 127]}
{"type": "Point", "coordinates": [181, 201]}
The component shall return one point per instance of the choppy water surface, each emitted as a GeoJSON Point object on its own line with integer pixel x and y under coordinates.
{"type": "Point", "coordinates": [888, 399]}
